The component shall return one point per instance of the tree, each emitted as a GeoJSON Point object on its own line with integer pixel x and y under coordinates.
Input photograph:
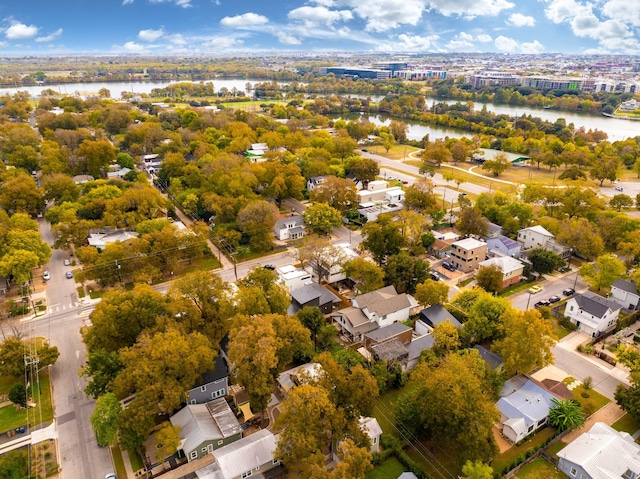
{"type": "Point", "coordinates": [60, 188]}
{"type": "Point", "coordinates": [484, 315]}
{"type": "Point", "coordinates": [399, 130]}
{"type": "Point", "coordinates": [436, 153]}
{"type": "Point", "coordinates": [93, 157]}
{"type": "Point", "coordinates": [12, 355]}
{"type": "Point", "coordinates": [544, 261]}
{"type": "Point", "coordinates": [497, 165]}
{"type": "Point", "coordinates": [382, 238]}
{"type": "Point", "coordinates": [445, 338]}
{"type": "Point", "coordinates": [405, 272]}
{"type": "Point", "coordinates": [579, 234]}
{"type": "Point", "coordinates": [606, 168]}
{"type": "Point", "coordinates": [257, 220]}
{"type": "Point", "coordinates": [312, 318]}
{"type": "Point", "coordinates": [472, 222]}
{"type": "Point", "coordinates": [566, 414]}
{"type": "Point", "coordinates": [431, 292]}
{"type": "Point", "coordinates": [339, 193]}
{"type": "Point", "coordinates": [450, 402]}
{"type": "Point", "coordinates": [489, 278]}
{"type": "Point", "coordinates": [324, 257]}
{"type": "Point", "coordinates": [460, 151]}
{"type": "Point", "coordinates": [322, 218]}
{"type": "Point", "coordinates": [167, 441]}
{"type": "Point", "coordinates": [388, 141]}
{"type": "Point", "coordinates": [265, 285]}
{"type": "Point", "coordinates": [101, 369]}
{"type": "Point", "coordinates": [363, 169]}
{"type": "Point", "coordinates": [420, 197]}
{"type": "Point", "coordinates": [621, 201]}
{"type": "Point", "coordinates": [526, 341]}
{"type": "Point", "coordinates": [105, 419]}
{"type": "Point", "coordinates": [477, 470]}
{"type": "Point", "coordinates": [18, 395]}
{"type": "Point", "coordinates": [366, 275]}
{"type": "Point", "coordinates": [603, 274]}
{"type": "Point", "coordinates": [354, 463]}
{"type": "Point", "coordinates": [19, 193]}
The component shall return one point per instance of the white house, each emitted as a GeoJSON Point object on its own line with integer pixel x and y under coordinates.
{"type": "Point", "coordinates": [511, 268]}
{"type": "Point", "coordinates": [315, 181]}
{"type": "Point", "coordinates": [336, 272]}
{"type": "Point", "coordinates": [372, 429]}
{"type": "Point", "coordinates": [503, 246]}
{"type": "Point", "coordinates": [625, 294]}
{"type": "Point", "coordinates": [294, 278]}
{"type": "Point", "coordinates": [534, 236]}
{"type": "Point", "coordinates": [374, 310]}
{"type": "Point", "coordinates": [100, 238]}
{"type": "Point", "coordinates": [601, 453]}
{"type": "Point", "coordinates": [289, 228]}
{"type": "Point", "coordinates": [591, 313]}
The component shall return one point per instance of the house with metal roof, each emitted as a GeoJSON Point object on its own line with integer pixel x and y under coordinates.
{"type": "Point", "coordinates": [205, 428]}
{"type": "Point", "coordinates": [214, 383]}
{"type": "Point", "coordinates": [435, 315]}
{"type": "Point", "coordinates": [510, 268]}
{"type": "Point", "coordinates": [625, 294]}
{"type": "Point", "coordinates": [601, 453]}
{"type": "Point", "coordinates": [492, 360]}
{"type": "Point", "coordinates": [374, 310]}
{"type": "Point", "coordinates": [370, 426]}
{"type": "Point", "coordinates": [99, 238]}
{"type": "Point", "coordinates": [503, 246]}
{"type": "Point", "coordinates": [592, 313]}
{"type": "Point", "coordinates": [251, 456]}
{"type": "Point", "coordinates": [289, 228]}
{"type": "Point", "coordinates": [313, 294]}
{"type": "Point", "coordinates": [524, 411]}
{"type": "Point", "coordinates": [415, 347]}
{"type": "Point", "coordinates": [291, 378]}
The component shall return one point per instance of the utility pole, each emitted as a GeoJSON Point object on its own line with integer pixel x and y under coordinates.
{"type": "Point", "coordinates": [118, 271]}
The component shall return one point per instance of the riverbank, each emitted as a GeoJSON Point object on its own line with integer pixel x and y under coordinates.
{"type": "Point", "coordinates": [618, 117]}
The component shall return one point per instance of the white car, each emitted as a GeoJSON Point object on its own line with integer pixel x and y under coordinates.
{"type": "Point", "coordinates": [391, 178]}
{"type": "Point", "coordinates": [46, 276]}
{"type": "Point", "coordinates": [67, 262]}
{"type": "Point", "coordinates": [111, 475]}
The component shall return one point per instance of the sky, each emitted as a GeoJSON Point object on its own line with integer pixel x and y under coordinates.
{"type": "Point", "coordinates": [164, 27]}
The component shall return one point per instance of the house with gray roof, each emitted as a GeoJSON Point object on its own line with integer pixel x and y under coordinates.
{"type": "Point", "coordinates": [205, 428]}
{"type": "Point", "coordinates": [524, 411]}
{"type": "Point", "coordinates": [625, 294]}
{"type": "Point", "coordinates": [374, 310]}
{"type": "Point", "coordinates": [503, 246]}
{"type": "Point", "coordinates": [592, 313]}
{"type": "Point", "coordinates": [437, 314]}
{"type": "Point", "coordinates": [251, 456]}
{"type": "Point", "coordinates": [214, 383]}
{"type": "Point", "coordinates": [291, 378]}
{"type": "Point", "coordinates": [415, 347]}
{"type": "Point", "coordinates": [314, 294]}
{"type": "Point", "coordinates": [492, 360]}
{"type": "Point", "coordinates": [99, 238]}
{"type": "Point", "coordinates": [289, 228]}
{"type": "Point", "coordinates": [601, 453]}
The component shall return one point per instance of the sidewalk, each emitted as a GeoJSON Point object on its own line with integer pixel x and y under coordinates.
{"type": "Point", "coordinates": [607, 414]}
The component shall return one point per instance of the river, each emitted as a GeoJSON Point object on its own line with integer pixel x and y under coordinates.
{"type": "Point", "coordinates": [616, 129]}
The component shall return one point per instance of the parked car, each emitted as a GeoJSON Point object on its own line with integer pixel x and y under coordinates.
{"type": "Point", "coordinates": [544, 302]}
{"type": "Point", "coordinates": [67, 262]}
{"type": "Point", "coordinates": [619, 188]}
{"type": "Point", "coordinates": [435, 276]}
{"type": "Point", "coordinates": [554, 299]}
{"type": "Point", "coordinates": [110, 475]}
{"type": "Point", "coordinates": [46, 276]}
{"type": "Point", "coordinates": [405, 182]}
{"type": "Point", "coordinates": [448, 266]}
{"type": "Point", "coordinates": [568, 291]}
{"type": "Point", "coordinates": [535, 289]}
{"type": "Point", "coordinates": [69, 275]}
{"type": "Point", "coordinates": [269, 266]}
{"type": "Point", "coordinates": [391, 178]}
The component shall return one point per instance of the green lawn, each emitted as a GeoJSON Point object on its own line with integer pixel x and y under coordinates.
{"type": "Point", "coordinates": [553, 449]}
{"type": "Point", "coordinates": [539, 469]}
{"type": "Point", "coordinates": [384, 411]}
{"type": "Point", "coordinates": [391, 468]}
{"type": "Point", "coordinates": [11, 418]}
{"type": "Point", "coordinates": [627, 424]}
{"type": "Point", "coordinates": [135, 460]}
{"type": "Point", "coordinates": [118, 461]}
{"type": "Point", "coordinates": [503, 460]}
{"type": "Point", "coordinates": [592, 403]}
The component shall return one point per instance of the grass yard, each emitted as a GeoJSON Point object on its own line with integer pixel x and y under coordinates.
{"type": "Point", "coordinates": [251, 105]}
{"type": "Point", "coordinates": [11, 418]}
{"type": "Point", "coordinates": [553, 449]}
{"type": "Point", "coordinates": [135, 460]}
{"type": "Point", "coordinates": [592, 403]}
{"type": "Point", "coordinates": [384, 411]}
{"type": "Point", "coordinates": [539, 469]}
{"type": "Point", "coordinates": [118, 461]}
{"type": "Point", "coordinates": [503, 460]}
{"type": "Point", "coordinates": [396, 152]}
{"type": "Point", "coordinates": [391, 468]}
{"type": "Point", "coordinates": [627, 424]}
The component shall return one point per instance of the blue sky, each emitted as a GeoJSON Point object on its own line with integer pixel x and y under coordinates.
{"type": "Point", "coordinates": [225, 26]}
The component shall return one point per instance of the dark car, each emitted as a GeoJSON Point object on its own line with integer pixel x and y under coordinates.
{"type": "Point", "coordinates": [554, 299]}
{"type": "Point", "coordinates": [448, 266]}
{"type": "Point", "coordinates": [541, 303]}
{"type": "Point", "coordinates": [568, 291]}
{"type": "Point", "coordinates": [435, 276]}
{"type": "Point", "coordinates": [269, 266]}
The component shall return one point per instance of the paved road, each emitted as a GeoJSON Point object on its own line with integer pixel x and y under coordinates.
{"type": "Point", "coordinates": [80, 455]}
{"type": "Point", "coordinates": [551, 287]}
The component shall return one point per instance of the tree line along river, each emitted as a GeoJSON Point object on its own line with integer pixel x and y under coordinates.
{"type": "Point", "coordinates": [616, 129]}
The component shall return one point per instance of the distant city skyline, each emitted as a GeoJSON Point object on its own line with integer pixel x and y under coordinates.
{"type": "Point", "coordinates": [165, 27]}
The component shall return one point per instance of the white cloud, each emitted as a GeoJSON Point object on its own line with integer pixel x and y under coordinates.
{"type": "Point", "coordinates": [287, 39]}
{"type": "Point", "coordinates": [50, 37]}
{"type": "Point", "coordinates": [131, 47]}
{"type": "Point", "coordinates": [127, 2]}
{"type": "Point", "coordinates": [245, 20]}
{"type": "Point", "coordinates": [520, 20]}
{"type": "Point", "coordinates": [484, 38]}
{"type": "Point", "coordinates": [466, 42]}
{"type": "Point", "coordinates": [532, 48]}
{"type": "Point", "coordinates": [319, 15]}
{"type": "Point", "coordinates": [383, 15]}
{"type": "Point", "coordinates": [627, 11]}
{"type": "Point", "coordinates": [506, 44]}
{"type": "Point", "coordinates": [4, 44]}
{"type": "Point", "coordinates": [471, 8]}
{"type": "Point", "coordinates": [410, 42]}
{"type": "Point", "coordinates": [324, 3]}
{"type": "Point", "coordinates": [150, 35]}
{"type": "Point", "coordinates": [20, 31]}
{"type": "Point", "coordinates": [223, 43]}
{"type": "Point", "coordinates": [177, 39]}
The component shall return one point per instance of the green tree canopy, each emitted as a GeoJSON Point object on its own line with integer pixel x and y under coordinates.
{"type": "Point", "coordinates": [566, 414]}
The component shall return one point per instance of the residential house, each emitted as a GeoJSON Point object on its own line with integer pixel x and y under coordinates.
{"type": "Point", "coordinates": [378, 198]}
{"type": "Point", "coordinates": [466, 254]}
{"type": "Point", "coordinates": [289, 228]}
{"type": "Point", "coordinates": [213, 384]}
{"type": "Point", "coordinates": [205, 428]}
{"type": "Point", "coordinates": [601, 453]}
{"type": "Point", "coordinates": [389, 343]}
{"type": "Point", "coordinates": [151, 163]}
{"type": "Point", "coordinates": [407, 475]}
{"type": "Point", "coordinates": [415, 347]}
{"type": "Point", "coordinates": [434, 315]}
{"type": "Point", "coordinates": [315, 181]}
{"type": "Point", "coordinates": [374, 310]}
{"type": "Point", "coordinates": [440, 248]}
{"type": "Point", "coordinates": [313, 294]}
{"type": "Point", "coordinates": [101, 237]}
{"type": "Point", "coordinates": [291, 378]}
{"type": "Point", "coordinates": [359, 184]}
{"type": "Point", "coordinates": [503, 246]}
{"type": "Point", "coordinates": [256, 152]}
{"type": "Point", "coordinates": [494, 231]}
{"type": "Point", "coordinates": [511, 268]}
{"type": "Point", "coordinates": [82, 179]}
{"type": "Point", "coordinates": [119, 173]}
{"type": "Point", "coordinates": [294, 278]}
{"type": "Point", "coordinates": [370, 426]}
{"type": "Point", "coordinates": [492, 360]}
{"type": "Point", "coordinates": [625, 294]}
{"type": "Point", "coordinates": [525, 410]}
{"type": "Point", "coordinates": [537, 236]}
{"type": "Point", "coordinates": [334, 273]}
{"type": "Point", "coordinates": [592, 313]}
{"type": "Point", "coordinates": [251, 456]}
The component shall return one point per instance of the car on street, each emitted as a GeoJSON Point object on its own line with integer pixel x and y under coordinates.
{"type": "Point", "coordinates": [568, 291]}
{"type": "Point", "coordinates": [405, 182]}
{"type": "Point", "coordinates": [544, 302]}
{"type": "Point", "coordinates": [554, 299]}
{"type": "Point", "coordinates": [46, 276]}
{"type": "Point", "coordinates": [435, 276]}
{"type": "Point", "coordinates": [69, 275]}
{"type": "Point", "coordinates": [269, 266]}
{"type": "Point", "coordinates": [67, 262]}
{"type": "Point", "coordinates": [619, 188]}
{"type": "Point", "coordinates": [391, 178]}
{"type": "Point", "coordinates": [535, 289]}
{"type": "Point", "coordinates": [110, 475]}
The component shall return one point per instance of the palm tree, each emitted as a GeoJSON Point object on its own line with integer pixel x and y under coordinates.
{"type": "Point", "coordinates": [566, 414]}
